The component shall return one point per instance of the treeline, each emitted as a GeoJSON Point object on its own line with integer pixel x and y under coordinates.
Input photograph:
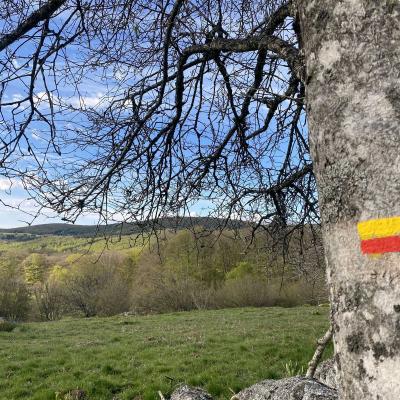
{"type": "Point", "coordinates": [172, 223]}
{"type": "Point", "coordinates": [182, 271]}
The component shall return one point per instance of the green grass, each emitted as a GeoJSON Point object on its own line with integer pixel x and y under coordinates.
{"type": "Point", "coordinates": [134, 357]}
{"type": "Point", "coordinates": [60, 244]}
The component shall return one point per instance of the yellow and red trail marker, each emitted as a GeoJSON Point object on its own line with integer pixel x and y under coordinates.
{"type": "Point", "coordinates": [380, 235]}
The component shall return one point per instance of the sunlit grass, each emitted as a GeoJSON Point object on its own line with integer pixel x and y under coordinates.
{"type": "Point", "coordinates": [59, 244]}
{"type": "Point", "coordinates": [134, 357]}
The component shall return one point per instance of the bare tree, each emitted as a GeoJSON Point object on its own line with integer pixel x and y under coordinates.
{"type": "Point", "coordinates": [198, 101]}
{"type": "Point", "coordinates": [203, 103]}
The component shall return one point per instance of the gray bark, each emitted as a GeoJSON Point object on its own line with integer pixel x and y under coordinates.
{"type": "Point", "coordinates": [41, 14]}
{"type": "Point", "coordinates": [352, 54]}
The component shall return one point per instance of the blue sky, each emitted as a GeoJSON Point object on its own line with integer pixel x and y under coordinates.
{"type": "Point", "coordinates": [12, 193]}
{"type": "Point", "coordinates": [96, 89]}
{"type": "Point", "coordinates": [16, 196]}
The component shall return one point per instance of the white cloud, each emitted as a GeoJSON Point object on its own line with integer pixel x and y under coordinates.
{"type": "Point", "coordinates": [88, 101]}
{"type": "Point", "coordinates": [17, 97]}
{"type": "Point", "coordinates": [36, 136]}
{"type": "Point", "coordinates": [16, 64]}
{"type": "Point", "coordinates": [8, 184]}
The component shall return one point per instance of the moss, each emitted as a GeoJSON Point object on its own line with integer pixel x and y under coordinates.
{"type": "Point", "coordinates": [391, 5]}
{"type": "Point", "coordinates": [322, 18]}
{"type": "Point", "coordinates": [355, 343]}
{"type": "Point", "coordinates": [361, 369]}
{"type": "Point", "coordinates": [379, 350]}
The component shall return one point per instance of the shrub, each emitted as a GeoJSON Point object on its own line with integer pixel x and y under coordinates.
{"type": "Point", "coordinates": [249, 290]}
{"type": "Point", "coordinates": [50, 300]}
{"type": "Point", "coordinates": [34, 267]}
{"type": "Point", "coordinates": [242, 270]}
{"type": "Point", "coordinates": [7, 326]}
{"type": "Point", "coordinates": [14, 296]}
{"type": "Point", "coordinates": [170, 292]}
{"type": "Point", "coordinates": [96, 287]}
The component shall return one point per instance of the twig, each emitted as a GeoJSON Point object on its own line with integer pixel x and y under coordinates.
{"type": "Point", "coordinates": [321, 345]}
{"type": "Point", "coordinates": [161, 395]}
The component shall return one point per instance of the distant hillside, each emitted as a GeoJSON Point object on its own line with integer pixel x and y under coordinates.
{"type": "Point", "coordinates": [26, 232]}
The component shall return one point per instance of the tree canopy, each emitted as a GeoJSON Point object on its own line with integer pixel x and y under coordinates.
{"type": "Point", "coordinates": [137, 110]}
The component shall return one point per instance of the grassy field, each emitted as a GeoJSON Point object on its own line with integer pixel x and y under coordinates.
{"type": "Point", "coordinates": [134, 357]}
{"type": "Point", "coordinates": [59, 244]}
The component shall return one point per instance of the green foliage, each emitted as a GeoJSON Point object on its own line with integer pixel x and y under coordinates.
{"type": "Point", "coordinates": [293, 369]}
{"type": "Point", "coordinates": [14, 296]}
{"type": "Point", "coordinates": [34, 268]}
{"type": "Point", "coordinates": [58, 273]}
{"type": "Point", "coordinates": [96, 286]}
{"type": "Point", "coordinates": [243, 269]}
{"type": "Point", "coordinates": [11, 260]}
{"type": "Point", "coordinates": [182, 270]}
{"type": "Point", "coordinates": [113, 229]}
{"type": "Point", "coordinates": [134, 357]}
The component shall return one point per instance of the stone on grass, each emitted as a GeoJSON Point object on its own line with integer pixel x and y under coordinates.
{"type": "Point", "coordinates": [295, 388]}
{"type": "Point", "coordinates": [74, 394]}
{"type": "Point", "coordinates": [190, 393]}
{"type": "Point", "coordinates": [326, 373]}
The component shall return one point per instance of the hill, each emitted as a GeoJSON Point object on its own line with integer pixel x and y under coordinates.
{"type": "Point", "coordinates": [63, 229]}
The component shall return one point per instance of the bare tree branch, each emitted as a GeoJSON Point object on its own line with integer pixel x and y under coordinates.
{"type": "Point", "coordinates": [321, 345]}
{"type": "Point", "coordinates": [43, 13]}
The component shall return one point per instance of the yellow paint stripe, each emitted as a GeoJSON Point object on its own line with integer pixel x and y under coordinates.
{"type": "Point", "coordinates": [378, 228]}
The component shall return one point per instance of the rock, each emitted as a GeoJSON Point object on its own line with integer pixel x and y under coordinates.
{"type": "Point", "coordinates": [129, 313]}
{"type": "Point", "coordinates": [75, 394]}
{"type": "Point", "coordinates": [78, 394]}
{"type": "Point", "coordinates": [295, 388]}
{"type": "Point", "coordinates": [190, 393]}
{"type": "Point", "coordinates": [326, 373]}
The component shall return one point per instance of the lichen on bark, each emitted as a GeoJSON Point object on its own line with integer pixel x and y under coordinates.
{"type": "Point", "coordinates": [352, 55]}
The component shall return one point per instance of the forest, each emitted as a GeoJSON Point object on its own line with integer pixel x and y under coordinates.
{"type": "Point", "coordinates": [48, 277]}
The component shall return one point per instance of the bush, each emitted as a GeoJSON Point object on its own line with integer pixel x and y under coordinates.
{"type": "Point", "coordinates": [34, 267]}
{"type": "Point", "coordinates": [50, 300]}
{"type": "Point", "coordinates": [247, 291]}
{"type": "Point", "coordinates": [169, 292]}
{"type": "Point", "coordinates": [7, 326]}
{"type": "Point", "coordinates": [164, 292]}
{"type": "Point", "coordinates": [14, 296]}
{"type": "Point", "coordinates": [96, 287]}
{"type": "Point", "coordinates": [241, 270]}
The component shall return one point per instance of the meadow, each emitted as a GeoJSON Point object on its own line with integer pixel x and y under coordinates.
{"type": "Point", "coordinates": [132, 357]}
{"type": "Point", "coordinates": [64, 244]}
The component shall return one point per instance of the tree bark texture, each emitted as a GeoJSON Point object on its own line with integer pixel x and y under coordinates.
{"type": "Point", "coordinates": [352, 53]}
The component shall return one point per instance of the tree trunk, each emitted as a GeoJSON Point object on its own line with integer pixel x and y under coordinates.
{"type": "Point", "coordinates": [352, 55]}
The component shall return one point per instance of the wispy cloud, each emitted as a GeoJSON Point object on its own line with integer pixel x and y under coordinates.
{"type": "Point", "coordinates": [88, 101]}
{"type": "Point", "coordinates": [8, 184]}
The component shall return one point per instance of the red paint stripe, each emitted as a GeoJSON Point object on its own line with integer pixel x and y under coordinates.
{"type": "Point", "coordinates": [381, 245]}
